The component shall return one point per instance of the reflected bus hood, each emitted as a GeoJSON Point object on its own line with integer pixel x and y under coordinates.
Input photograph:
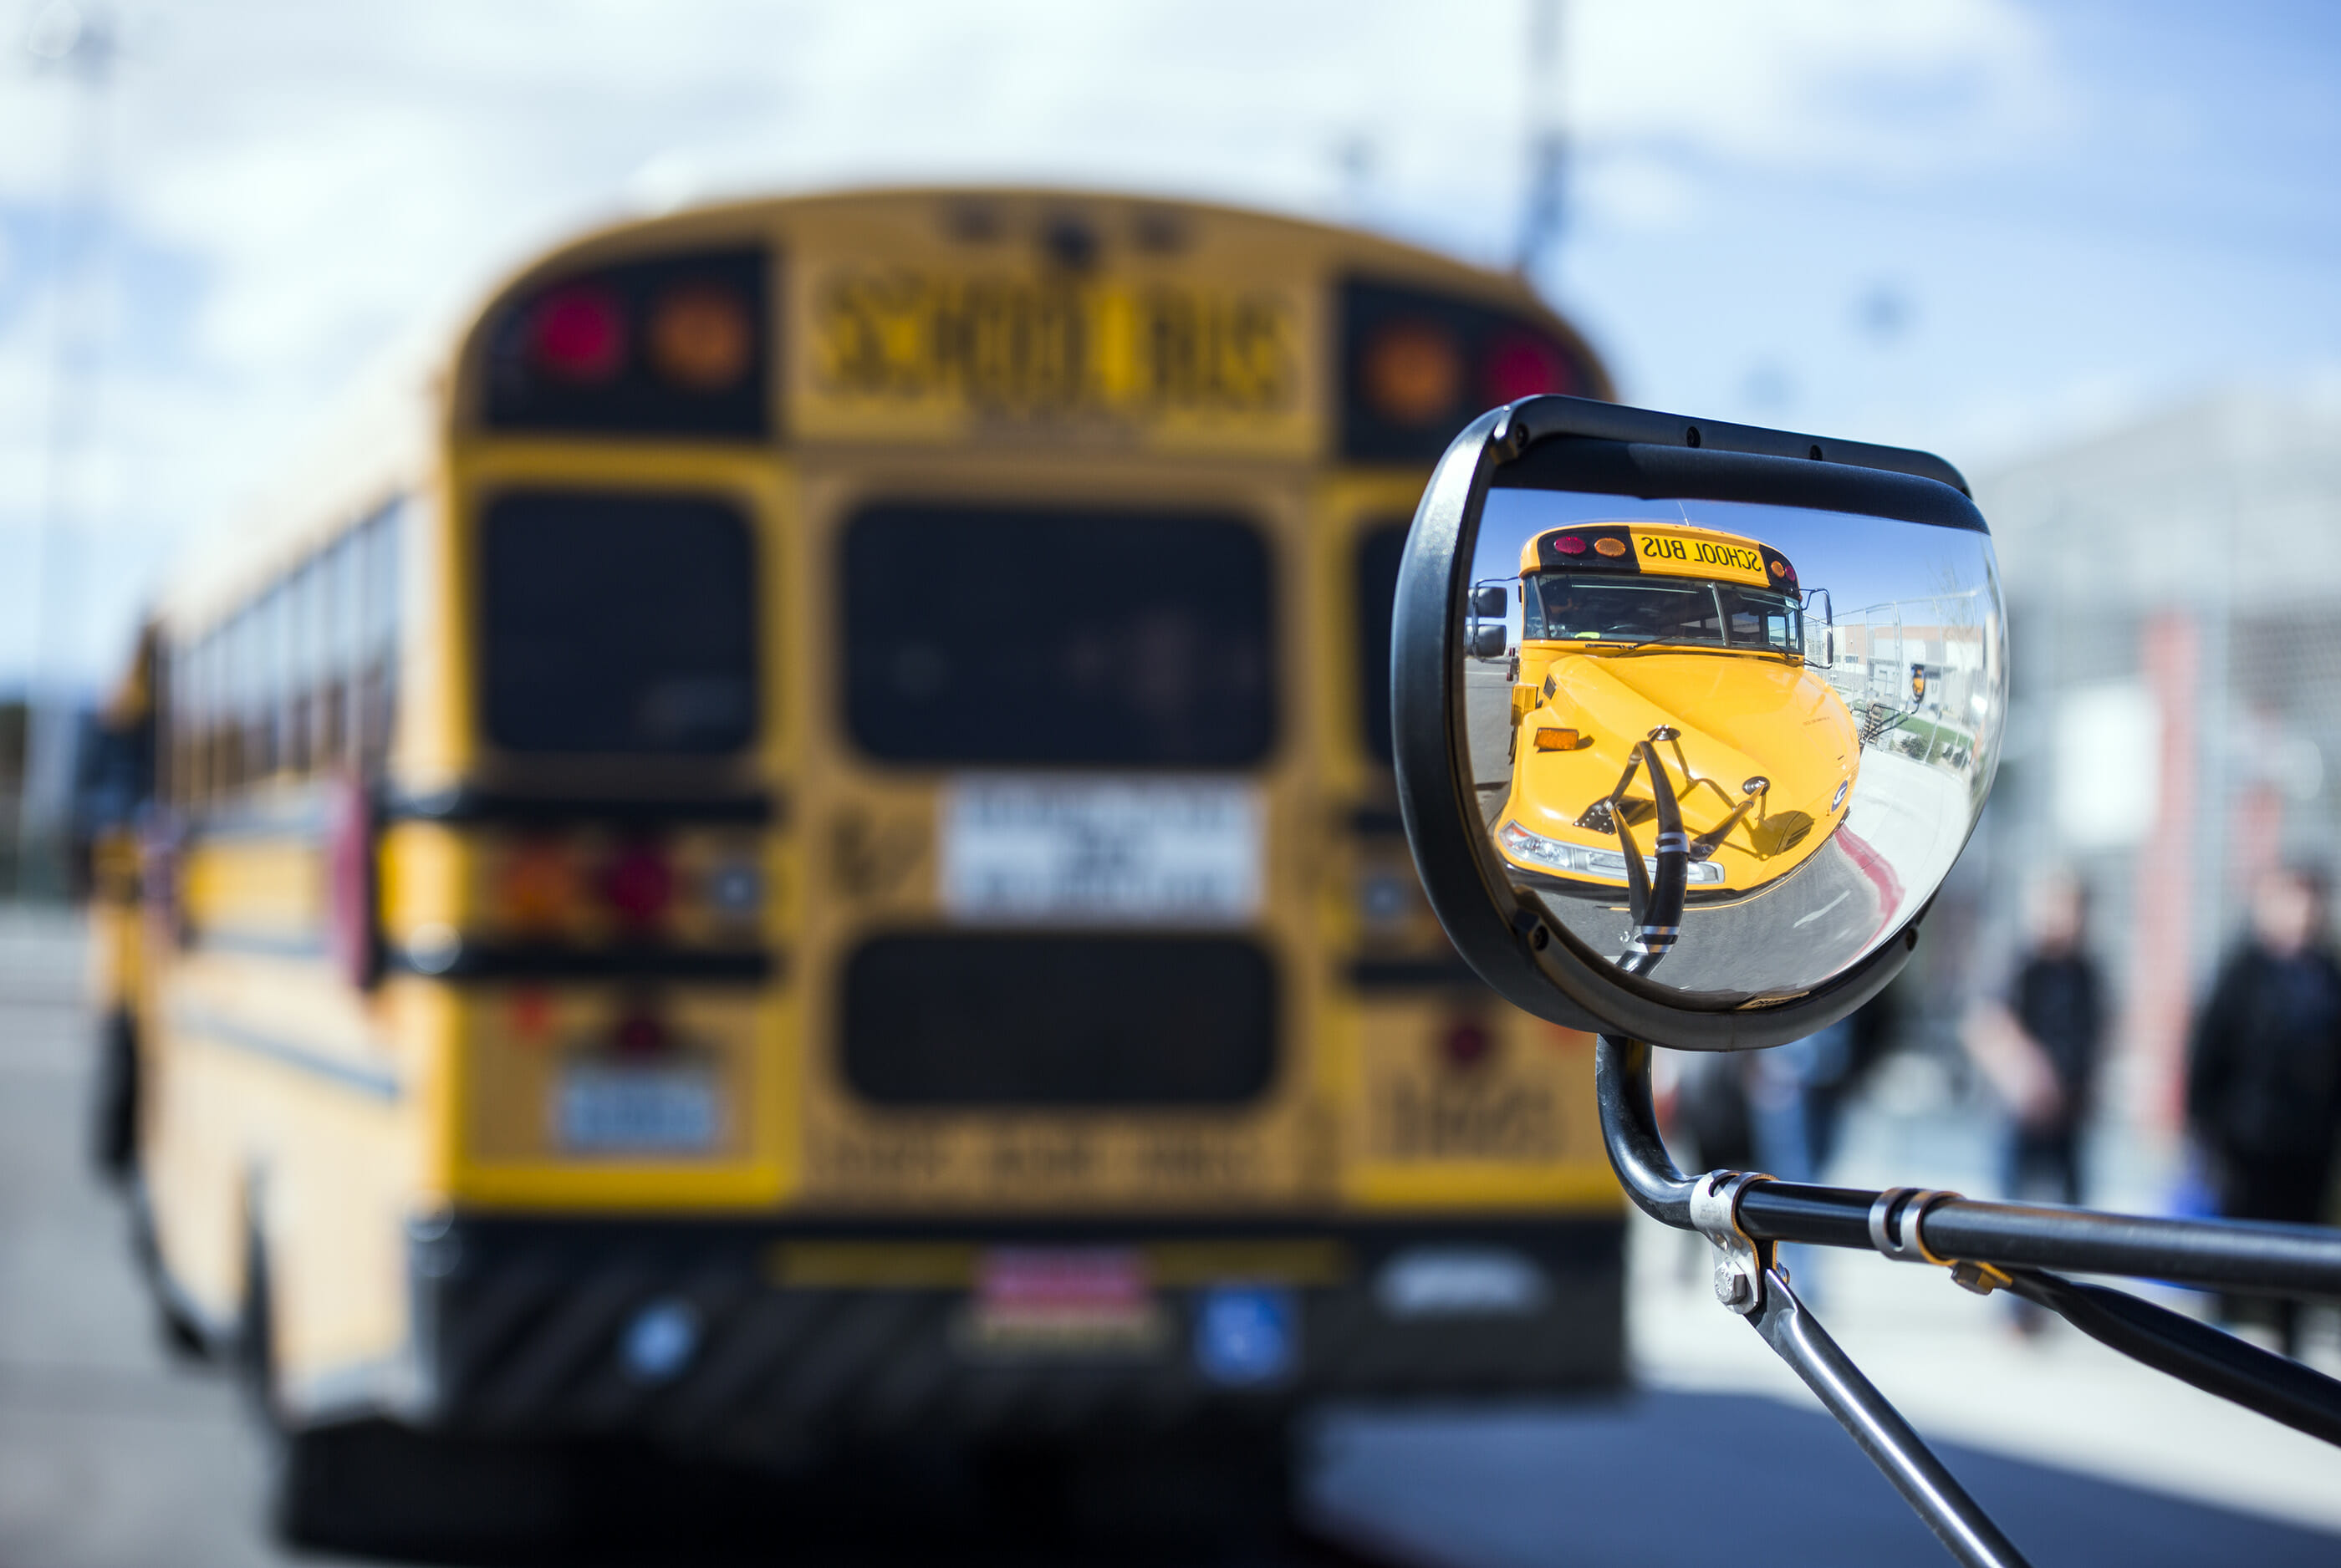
{"type": "Point", "coordinates": [1738, 716]}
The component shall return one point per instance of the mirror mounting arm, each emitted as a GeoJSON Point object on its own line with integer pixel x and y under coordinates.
{"type": "Point", "coordinates": [1710, 1204]}
{"type": "Point", "coordinates": [1630, 1132]}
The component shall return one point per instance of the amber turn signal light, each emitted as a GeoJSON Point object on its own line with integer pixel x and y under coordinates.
{"type": "Point", "coordinates": [1557, 739]}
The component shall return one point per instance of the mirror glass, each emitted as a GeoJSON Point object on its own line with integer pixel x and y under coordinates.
{"type": "Point", "coordinates": [1729, 745]}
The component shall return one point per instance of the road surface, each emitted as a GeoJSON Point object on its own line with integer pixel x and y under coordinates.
{"type": "Point", "coordinates": [113, 1456]}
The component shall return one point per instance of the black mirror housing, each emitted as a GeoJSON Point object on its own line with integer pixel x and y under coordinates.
{"type": "Point", "coordinates": [1525, 928]}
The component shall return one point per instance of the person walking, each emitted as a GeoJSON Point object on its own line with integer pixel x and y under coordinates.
{"type": "Point", "coordinates": [2039, 1045]}
{"type": "Point", "coordinates": [2264, 1071]}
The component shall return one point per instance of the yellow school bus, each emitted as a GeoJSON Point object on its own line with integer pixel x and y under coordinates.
{"type": "Point", "coordinates": [789, 846]}
{"type": "Point", "coordinates": [1692, 638]}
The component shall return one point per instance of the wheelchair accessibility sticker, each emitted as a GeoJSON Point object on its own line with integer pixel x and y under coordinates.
{"type": "Point", "coordinates": [1247, 1334]}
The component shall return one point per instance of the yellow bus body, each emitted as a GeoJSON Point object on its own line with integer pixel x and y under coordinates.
{"type": "Point", "coordinates": [382, 1145]}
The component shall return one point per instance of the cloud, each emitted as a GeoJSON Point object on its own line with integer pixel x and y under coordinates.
{"type": "Point", "coordinates": [302, 181]}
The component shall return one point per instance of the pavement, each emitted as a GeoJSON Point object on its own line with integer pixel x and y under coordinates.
{"type": "Point", "coordinates": [113, 1454]}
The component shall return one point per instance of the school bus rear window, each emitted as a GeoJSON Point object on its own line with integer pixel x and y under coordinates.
{"type": "Point", "coordinates": [1046, 1020]}
{"type": "Point", "coordinates": [1379, 549]}
{"type": "Point", "coordinates": [1016, 637]}
{"type": "Point", "coordinates": [617, 624]}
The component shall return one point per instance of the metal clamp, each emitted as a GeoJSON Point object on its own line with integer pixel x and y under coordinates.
{"type": "Point", "coordinates": [1742, 1260]}
{"type": "Point", "coordinates": [1894, 1218]}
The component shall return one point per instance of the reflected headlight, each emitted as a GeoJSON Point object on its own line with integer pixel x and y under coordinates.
{"type": "Point", "coordinates": [1576, 860]}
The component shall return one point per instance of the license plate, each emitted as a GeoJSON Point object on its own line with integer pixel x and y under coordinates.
{"type": "Point", "coordinates": [1174, 852]}
{"type": "Point", "coordinates": [1071, 1301]}
{"type": "Point", "coordinates": [601, 1108]}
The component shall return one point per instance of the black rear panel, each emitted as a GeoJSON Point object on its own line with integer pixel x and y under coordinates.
{"type": "Point", "coordinates": [936, 1019]}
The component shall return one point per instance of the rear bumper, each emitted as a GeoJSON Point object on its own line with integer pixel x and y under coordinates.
{"type": "Point", "coordinates": [719, 1336]}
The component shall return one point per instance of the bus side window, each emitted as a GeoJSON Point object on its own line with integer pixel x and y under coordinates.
{"type": "Point", "coordinates": [216, 710]}
{"type": "Point", "coordinates": [283, 654]}
{"type": "Point", "coordinates": [178, 687]}
{"type": "Point", "coordinates": [235, 698]}
{"type": "Point", "coordinates": [300, 656]}
{"type": "Point", "coordinates": [378, 637]}
{"type": "Point", "coordinates": [336, 667]}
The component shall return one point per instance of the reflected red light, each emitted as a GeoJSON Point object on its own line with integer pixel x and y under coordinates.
{"type": "Point", "coordinates": [639, 884]}
{"type": "Point", "coordinates": [1520, 365]}
{"type": "Point", "coordinates": [579, 332]}
{"type": "Point", "coordinates": [1569, 544]}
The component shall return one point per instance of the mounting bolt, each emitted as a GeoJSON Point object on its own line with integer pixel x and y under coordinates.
{"type": "Point", "coordinates": [1730, 1284]}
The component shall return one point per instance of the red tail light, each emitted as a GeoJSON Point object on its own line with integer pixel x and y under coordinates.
{"type": "Point", "coordinates": [640, 1034]}
{"type": "Point", "coordinates": [639, 884]}
{"type": "Point", "coordinates": [578, 333]}
{"type": "Point", "coordinates": [1518, 364]}
{"type": "Point", "coordinates": [1569, 544]}
{"type": "Point", "coordinates": [1466, 1044]}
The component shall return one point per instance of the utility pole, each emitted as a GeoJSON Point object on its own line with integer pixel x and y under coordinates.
{"type": "Point", "coordinates": [81, 43]}
{"type": "Point", "coordinates": [1545, 209]}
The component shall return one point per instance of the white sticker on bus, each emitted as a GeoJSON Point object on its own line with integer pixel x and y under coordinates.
{"type": "Point", "coordinates": [1154, 851]}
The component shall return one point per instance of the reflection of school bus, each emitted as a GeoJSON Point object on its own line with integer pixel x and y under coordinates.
{"type": "Point", "coordinates": [798, 848]}
{"type": "Point", "coordinates": [1694, 639]}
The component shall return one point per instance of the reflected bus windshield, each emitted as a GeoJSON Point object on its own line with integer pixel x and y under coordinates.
{"type": "Point", "coordinates": [1560, 607]}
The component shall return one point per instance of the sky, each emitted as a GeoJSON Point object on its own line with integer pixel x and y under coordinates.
{"type": "Point", "coordinates": [1978, 226]}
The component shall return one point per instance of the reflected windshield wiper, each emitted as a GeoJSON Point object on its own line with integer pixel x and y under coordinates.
{"type": "Point", "coordinates": [1678, 645]}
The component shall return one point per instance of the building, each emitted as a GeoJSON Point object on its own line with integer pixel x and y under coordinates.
{"type": "Point", "coordinates": [2175, 617]}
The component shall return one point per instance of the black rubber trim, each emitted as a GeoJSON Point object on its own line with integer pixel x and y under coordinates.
{"type": "Point", "coordinates": [470, 805]}
{"type": "Point", "coordinates": [1530, 960]}
{"type": "Point", "coordinates": [487, 961]}
{"type": "Point", "coordinates": [1539, 418]}
{"type": "Point", "coordinates": [1446, 973]}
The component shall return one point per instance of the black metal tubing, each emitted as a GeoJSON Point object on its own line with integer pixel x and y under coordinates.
{"type": "Point", "coordinates": [2280, 1389]}
{"type": "Point", "coordinates": [1629, 1131]}
{"type": "Point", "coordinates": [2282, 1259]}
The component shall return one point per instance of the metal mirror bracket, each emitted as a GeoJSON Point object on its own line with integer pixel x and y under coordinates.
{"type": "Point", "coordinates": [1796, 1336]}
{"type": "Point", "coordinates": [1749, 1282]}
{"type": "Point", "coordinates": [1986, 1247]}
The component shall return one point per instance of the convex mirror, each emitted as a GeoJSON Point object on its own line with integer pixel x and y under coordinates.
{"type": "Point", "coordinates": [1692, 720]}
